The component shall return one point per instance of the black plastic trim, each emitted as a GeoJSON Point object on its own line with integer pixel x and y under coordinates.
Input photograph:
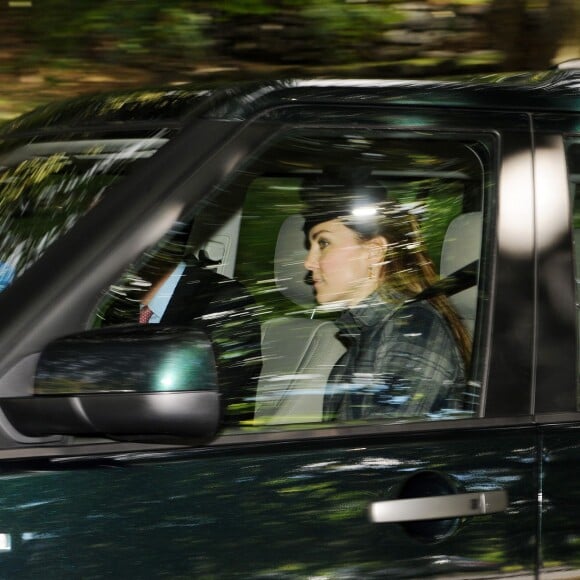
{"type": "Point", "coordinates": [193, 416]}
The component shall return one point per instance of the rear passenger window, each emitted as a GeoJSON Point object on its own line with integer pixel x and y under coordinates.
{"type": "Point", "coordinates": [358, 256]}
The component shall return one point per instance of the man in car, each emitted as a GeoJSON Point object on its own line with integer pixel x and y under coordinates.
{"type": "Point", "coordinates": [172, 287]}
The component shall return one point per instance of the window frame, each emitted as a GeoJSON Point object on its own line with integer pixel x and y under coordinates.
{"type": "Point", "coordinates": [407, 138]}
{"type": "Point", "coordinates": [167, 196]}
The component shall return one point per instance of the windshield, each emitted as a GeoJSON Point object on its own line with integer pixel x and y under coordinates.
{"type": "Point", "coordinates": [47, 185]}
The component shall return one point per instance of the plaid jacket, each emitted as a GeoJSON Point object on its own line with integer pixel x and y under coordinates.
{"type": "Point", "coordinates": [401, 361]}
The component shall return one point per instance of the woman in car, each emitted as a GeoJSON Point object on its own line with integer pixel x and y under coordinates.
{"type": "Point", "coordinates": [405, 356]}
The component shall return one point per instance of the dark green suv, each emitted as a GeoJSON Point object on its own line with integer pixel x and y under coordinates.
{"type": "Point", "coordinates": [199, 445]}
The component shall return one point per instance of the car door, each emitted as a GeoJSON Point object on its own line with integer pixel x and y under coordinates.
{"type": "Point", "coordinates": [452, 494]}
{"type": "Point", "coordinates": [558, 158]}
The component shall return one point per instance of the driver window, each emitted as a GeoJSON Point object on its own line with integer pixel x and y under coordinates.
{"type": "Point", "coordinates": [337, 276]}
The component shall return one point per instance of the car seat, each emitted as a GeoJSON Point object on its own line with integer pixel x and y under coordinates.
{"type": "Point", "coordinates": [298, 352]}
{"type": "Point", "coordinates": [462, 246]}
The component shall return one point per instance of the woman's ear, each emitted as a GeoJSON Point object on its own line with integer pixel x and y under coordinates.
{"type": "Point", "coordinates": [377, 247]}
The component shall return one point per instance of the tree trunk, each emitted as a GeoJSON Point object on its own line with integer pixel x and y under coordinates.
{"type": "Point", "coordinates": [533, 38]}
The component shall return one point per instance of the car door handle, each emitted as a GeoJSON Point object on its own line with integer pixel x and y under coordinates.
{"type": "Point", "coordinates": [438, 507]}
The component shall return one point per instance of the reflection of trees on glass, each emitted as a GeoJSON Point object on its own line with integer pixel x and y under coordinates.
{"type": "Point", "coordinates": [45, 187]}
{"type": "Point", "coordinates": [438, 179]}
{"type": "Point", "coordinates": [270, 201]}
{"type": "Point", "coordinates": [35, 206]}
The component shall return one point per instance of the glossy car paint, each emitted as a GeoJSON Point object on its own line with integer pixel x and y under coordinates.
{"type": "Point", "coordinates": [557, 349]}
{"type": "Point", "coordinates": [559, 498]}
{"type": "Point", "coordinates": [287, 511]}
{"type": "Point", "coordinates": [294, 504]}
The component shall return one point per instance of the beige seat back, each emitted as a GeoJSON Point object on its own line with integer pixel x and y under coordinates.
{"type": "Point", "coordinates": [461, 246]}
{"type": "Point", "coordinates": [298, 356]}
{"type": "Point", "coordinates": [298, 352]}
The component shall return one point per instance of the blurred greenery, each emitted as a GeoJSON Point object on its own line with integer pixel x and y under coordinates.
{"type": "Point", "coordinates": [58, 48]}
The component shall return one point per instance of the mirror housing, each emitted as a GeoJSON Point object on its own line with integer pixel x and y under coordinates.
{"type": "Point", "coordinates": [134, 382]}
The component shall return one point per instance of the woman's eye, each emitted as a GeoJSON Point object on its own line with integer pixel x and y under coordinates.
{"type": "Point", "coordinates": [323, 244]}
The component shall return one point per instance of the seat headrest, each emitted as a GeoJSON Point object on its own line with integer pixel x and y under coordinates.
{"type": "Point", "coordinates": [461, 246]}
{"type": "Point", "coordinates": [289, 270]}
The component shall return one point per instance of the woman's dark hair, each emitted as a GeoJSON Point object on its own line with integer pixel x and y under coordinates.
{"type": "Point", "coordinates": [407, 269]}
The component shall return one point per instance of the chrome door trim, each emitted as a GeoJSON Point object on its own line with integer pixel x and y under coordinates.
{"type": "Point", "coordinates": [438, 507]}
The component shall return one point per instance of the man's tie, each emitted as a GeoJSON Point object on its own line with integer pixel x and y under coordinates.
{"type": "Point", "coordinates": [145, 314]}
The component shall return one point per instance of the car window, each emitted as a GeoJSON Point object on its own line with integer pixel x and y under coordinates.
{"type": "Point", "coordinates": [46, 185]}
{"type": "Point", "coordinates": [338, 275]}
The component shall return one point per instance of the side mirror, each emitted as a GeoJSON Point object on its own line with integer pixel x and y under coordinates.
{"type": "Point", "coordinates": [135, 382]}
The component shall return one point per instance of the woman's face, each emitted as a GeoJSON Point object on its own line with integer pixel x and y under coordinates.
{"type": "Point", "coordinates": [340, 264]}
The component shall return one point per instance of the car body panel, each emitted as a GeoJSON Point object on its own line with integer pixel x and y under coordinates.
{"type": "Point", "coordinates": [555, 90]}
{"type": "Point", "coordinates": [285, 511]}
{"type": "Point", "coordinates": [559, 552]}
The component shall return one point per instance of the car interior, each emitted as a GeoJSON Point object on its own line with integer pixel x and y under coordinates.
{"type": "Point", "coordinates": [261, 245]}
{"type": "Point", "coordinates": [299, 352]}
{"type": "Point", "coordinates": [250, 230]}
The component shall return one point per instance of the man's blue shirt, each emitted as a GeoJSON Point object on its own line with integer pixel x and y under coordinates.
{"type": "Point", "coordinates": [158, 304]}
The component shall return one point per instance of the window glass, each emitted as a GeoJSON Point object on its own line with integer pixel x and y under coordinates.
{"type": "Point", "coordinates": [337, 274]}
{"type": "Point", "coordinates": [47, 185]}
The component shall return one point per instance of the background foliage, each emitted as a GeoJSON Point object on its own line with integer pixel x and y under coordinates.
{"type": "Point", "coordinates": [61, 47]}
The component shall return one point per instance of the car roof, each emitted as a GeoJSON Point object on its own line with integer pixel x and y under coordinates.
{"type": "Point", "coordinates": [553, 90]}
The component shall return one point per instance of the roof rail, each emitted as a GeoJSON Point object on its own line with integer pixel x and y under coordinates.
{"type": "Point", "coordinates": [572, 64]}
